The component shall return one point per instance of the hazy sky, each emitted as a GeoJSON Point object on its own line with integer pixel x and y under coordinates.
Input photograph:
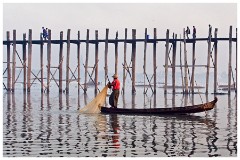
{"type": "Point", "coordinates": [117, 17]}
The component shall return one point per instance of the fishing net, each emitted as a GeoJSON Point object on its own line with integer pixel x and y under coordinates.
{"type": "Point", "coordinates": [95, 105]}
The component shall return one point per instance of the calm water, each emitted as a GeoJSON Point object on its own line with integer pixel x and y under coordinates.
{"type": "Point", "coordinates": [50, 125]}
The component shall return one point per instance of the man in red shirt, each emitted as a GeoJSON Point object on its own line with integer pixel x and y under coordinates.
{"type": "Point", "coordinates": [115, 85]}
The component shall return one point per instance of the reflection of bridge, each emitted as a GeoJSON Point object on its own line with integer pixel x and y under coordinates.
{"type": "Point", "coordinates": [44, 129]}
{"type": "Point", "coordinates": [129, 68]}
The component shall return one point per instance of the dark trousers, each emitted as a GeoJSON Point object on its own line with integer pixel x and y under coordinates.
{"type": "Point", "coordinates": [113, 99]}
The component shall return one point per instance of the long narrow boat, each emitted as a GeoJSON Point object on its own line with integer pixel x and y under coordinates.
{"type": "Point", "coordinates": [174, 110]}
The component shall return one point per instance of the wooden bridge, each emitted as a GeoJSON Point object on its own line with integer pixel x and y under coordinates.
{"type": "Point", "coordinates": [128, 69]}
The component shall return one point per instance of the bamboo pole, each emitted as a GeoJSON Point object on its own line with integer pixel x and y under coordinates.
{"type": "Point", "coordinates": [125, 61]}
{"type": "Point", "coordinates": [166, 61]}
{"type": "Point", "coordinates": [208, 57]}
{"type": "Point", "coordinates": [14, 60]}
{"type": "Point", "coordinates": [106, 56]}
{"type": "Point", "coordinates": [96, 62]}
{"type": "Point", "coordinates": [154, 61]}
{"type": "Point", "coordinates": [29, 68]}
{"type": "Point", "coordinates": [9, 84]}
{"type": "Point", "coordinates": [116, 54]}
{"type": "Point", "coordinates": [60, 64]}
{"type": "Point", "coordinates": [215, 60]}
{"type": "Point", "coordinates": [78, 60]}
{"type": "Point", "coordinates": [67, 61]}
{"type": "Point", "coordinates": [24, 49]}
{"type": "Point", "coordinates": [41, 62]}
{"type": "Point", "coordinates": [236, 60]}
{"type": "Point", "coordinates": [48, 59]}
{"type": "Point", "coordinates": [133, 60]}
{"type": "Point", "coordinates": [174, 63]}
{"type": "Point", "coordinates": [181, 66]}
{"type": "Point", "coordinates": [86, 62]}
{"type": "Point", "coordinates": [185, 63]}
{"type": "Point", "coordinates": [193, 64]}
{"type": "Point", "coordinates": [144, 60]}
{"type": "Point", "coordinates": [230, 60]}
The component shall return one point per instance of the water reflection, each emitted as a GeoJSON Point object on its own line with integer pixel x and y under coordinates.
{"type": "Point", "coordinates": [46, 126]}
{"type": "Point", "coordinates": [231, 127]}
{"type": "Point", "coordinates": [116, 129]}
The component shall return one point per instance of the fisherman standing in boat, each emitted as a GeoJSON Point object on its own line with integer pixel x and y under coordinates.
{"type": "Point", "coordinates": [115, 85]}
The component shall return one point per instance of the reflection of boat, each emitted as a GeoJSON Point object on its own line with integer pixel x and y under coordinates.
{"type": "Point", "coordinates": [174, 110]}
{"type": "Point", "coordinates": [224, 87]}
{"type": "Point", "coordinates": [91, 83]}
{"type": "Point", "coordinates": [169, 86]}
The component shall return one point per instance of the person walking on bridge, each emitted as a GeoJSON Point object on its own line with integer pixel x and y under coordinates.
{"type": "Point", "coordinates": [194, 32]}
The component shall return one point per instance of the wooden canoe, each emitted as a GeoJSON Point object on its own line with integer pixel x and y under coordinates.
{"type": "Point", "coordinates": [174, 110]}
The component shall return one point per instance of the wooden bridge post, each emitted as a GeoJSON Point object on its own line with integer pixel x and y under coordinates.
{"type": "Point", "coordinates": [116, 54]}
{"type": "Point", "coordinates": [208, 58]}
{"type": "Point", "coordinates": [78, 61]}
{"type": "Point", "coordinates": [125, 61]}
{"type": "Point", "coordinates": [14, 60]}
{"type": "Point", "coordinates": [67, 61]}
{"type": "Point", "coordinates": [106, 56]}
{"type": "Point", "coordinates": [174, 63]}
{"type": "Point", "coordinates": [133, 60]}
{"type": "Point", "coordinates": [180, 59]}
{"type": "Point", "coordinates": [193, 64]}
{"type": "Point", "coordinates": [215, 60]}
{"type": "Point", "coordinates": [41, 61]}
{"type": "Point", "coordinates": [9, 84]}
{"type": "Point", "coordinates": [185, 63]}
{"type": "Point", "coordinates": [144, 60]}
{"type": "Point", "coordinates": [48, 59]}
{"type": "Point", "coordinates": [60, 60]}
{"type": "Point", "coordinates": [29, 69]}
{"type": "Point", "coordinates": [154, 61]}
{"type": "Point", "coordinates": [166, 61]}
{"type": "Point", "coordinates": [96, 62]}
{"type": "Point", "coordinates": [86, 62]}
{"type": "Point", "coordinates": [230, 60]}
{"type": "Point", "coordinates": [24, 49]}
{"type": "Point", "coordinates": [236, 60]}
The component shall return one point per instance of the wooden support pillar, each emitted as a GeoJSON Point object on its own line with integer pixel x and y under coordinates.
{"type": "Point", "coordinates": [185, 63]}
{"type": "Point", "coordinates": [48, 59]}
{"type": "Point", "coordinates": [230, 60]}
{"type": "Point", "coordinates": [208, 58]}
{"type": "Point", "coordinates": [60, 60]}
{"type": "Point", "coordinates": [174, 63]}
{"type": "Point", "coordinates": [166, 62]}
{"type": "Point", "coordinates": [215, 61]}
{"type": "Point", "coordinates": [144, 60]}
{"type": "Point", "coordinates": [41, 62]}
{"type": "Point", "coordinates": [24, 50]}
{"type": "Point", "coordinates": [106, 56]}
{"type": "Point", "coordinates": [67, 61]}
{"type": "Point", "coordinates": [14, 60]}
{"type": "Point", "coordinates": [116, 54]}
{"type": "Point", "coordinates": [125, 61]}
{"type": "Point", "coordinates": [181, 66]}
{"type": "Point", "coordinates": [78, 61]}
{"type": "Point", "coordinates": [193, 65]}
{"type": "Point", "coordinates": [29, 69]}
{"type": "Point", "coordinates": [86, 62]}
{"type": "Point", "coordinates": [154, 61]}
{"type": "Point", "coordinates": [96, 62]}
{"type": "Point", "coordinates": [236, 60]}
{"type": "Point", "coordinates": [9, 82]}
{"type": "Point", "coordinates": [133, 60]}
